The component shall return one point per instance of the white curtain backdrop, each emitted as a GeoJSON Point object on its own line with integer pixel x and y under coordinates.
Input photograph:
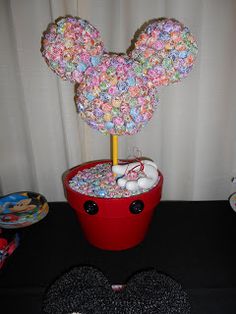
{"type": "Point", "coordinates": [192, 136]}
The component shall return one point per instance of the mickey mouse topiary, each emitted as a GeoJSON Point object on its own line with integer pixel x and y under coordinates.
{"type": "Point", "coordinates": [117, 94]}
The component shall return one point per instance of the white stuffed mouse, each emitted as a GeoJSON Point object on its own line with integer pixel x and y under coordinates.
{"type": "Point", "coordinates": [138, 175]}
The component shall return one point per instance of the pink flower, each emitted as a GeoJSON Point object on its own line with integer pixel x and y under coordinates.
{"type": "Point", "coordinates": [141, 100]}
{"type": "Point", "coordinates": [124, 108]}
{"type": "Point", "coordinates": [118, 121]}
{"type": "Point", "coordinates": [152, 73]}
{"type": "Point", "coordinates": [134, 90]}
{"type": "Point", "coordinates": [85, 57]}
{"type": "Point", "coordinates": [159, 45]}
{"type": "Point", "coordinates": [106, 107]}
{"type": "Point", "coordinates": [112, 90]}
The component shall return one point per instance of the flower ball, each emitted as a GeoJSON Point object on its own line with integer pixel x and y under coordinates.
{"type": "Point", "coordinates": [70, 46]}
{"type": "Point", "coordinates": [115, 97]}
{"type": "Point", "coordinates": [167, 50]}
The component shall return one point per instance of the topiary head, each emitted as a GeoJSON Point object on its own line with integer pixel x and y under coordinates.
{"type": "Point", "coordinates": [117, 93]}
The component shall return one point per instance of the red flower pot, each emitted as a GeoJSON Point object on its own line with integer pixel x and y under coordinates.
{"type": "Point", "coordinates": [113, 223]}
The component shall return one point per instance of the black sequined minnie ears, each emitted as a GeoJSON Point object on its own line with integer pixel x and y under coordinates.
{"type": "Point", "coordinates": [85, 290]}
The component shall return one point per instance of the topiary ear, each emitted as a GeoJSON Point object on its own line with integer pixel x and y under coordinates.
{"type": "Point", "coordinates": [166, 49]}
{"type": "Point", "coordinates": [70, 46]}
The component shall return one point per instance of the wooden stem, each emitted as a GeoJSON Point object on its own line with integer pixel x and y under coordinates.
{"type": "Point", "coordinates": [114, 150]}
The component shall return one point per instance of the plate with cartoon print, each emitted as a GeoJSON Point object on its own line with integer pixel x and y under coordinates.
{"type": "Point", "coordinates": [22, 209]}
{"type": "Point", "coordinates": [232, 201]}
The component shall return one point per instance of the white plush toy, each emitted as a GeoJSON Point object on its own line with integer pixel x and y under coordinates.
{"type": "Point", "coordinates": [138, 175]}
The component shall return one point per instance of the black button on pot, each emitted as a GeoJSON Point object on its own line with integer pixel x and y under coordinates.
{"type": "Point", "coordinates": [136, 207]}
{"type": "Point", "coordinates": [91, 207]}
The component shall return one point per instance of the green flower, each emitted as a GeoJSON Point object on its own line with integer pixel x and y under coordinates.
{"type": "Point", "coordinates": [167, 64]}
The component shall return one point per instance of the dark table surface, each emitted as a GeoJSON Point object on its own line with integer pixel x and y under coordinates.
{"type": "Point", "coordinates": [194, 242]}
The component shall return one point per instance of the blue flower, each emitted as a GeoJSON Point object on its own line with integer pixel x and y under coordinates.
{"type": "Point", "coordinates": [98, 112]}
{"type": "Point", "coordinates": [95, 60]}
{"type": "Point", "coordinates": [102, 192]}
{"type": "Point", "coordinates": [114, 62]}
{"type": "Point", "coordinates": [122, 86]}
{"type": "Point", "coordinates": [174, 54]}
{"type": "Point", "coordinates": [80, 107]}
{"type": "Point", "coordinates": [130, 125]}
{"type": "Point", "coordinates": [81, 67]}
{"type": "Point", "coordinates": [183, 54]}
{"type": "Point", "coordinates": [109, 125]}
{"type": "Point", "coordinates": [164, 36]}
{"type": "Point", "coordinates": [131, 81]}
{"type": "Point", "coordinates": [134, 113]}
{"type": "Point", "coordinates": [105, 97]}
{"type": "Point", "coordinates": [89, 97]}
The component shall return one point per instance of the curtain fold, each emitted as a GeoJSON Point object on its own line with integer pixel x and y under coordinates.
{"type": "Point", "coordinates": [191, 136]}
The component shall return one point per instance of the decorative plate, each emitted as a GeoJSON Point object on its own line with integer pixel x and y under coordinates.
{"type": "Point", "coordinates": [22, 209]}
{"type": "Point", "coordinates": [232, 201]}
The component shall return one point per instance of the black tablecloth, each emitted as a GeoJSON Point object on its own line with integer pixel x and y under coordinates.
{"type": "Point", "coordinates": [194, 242]}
